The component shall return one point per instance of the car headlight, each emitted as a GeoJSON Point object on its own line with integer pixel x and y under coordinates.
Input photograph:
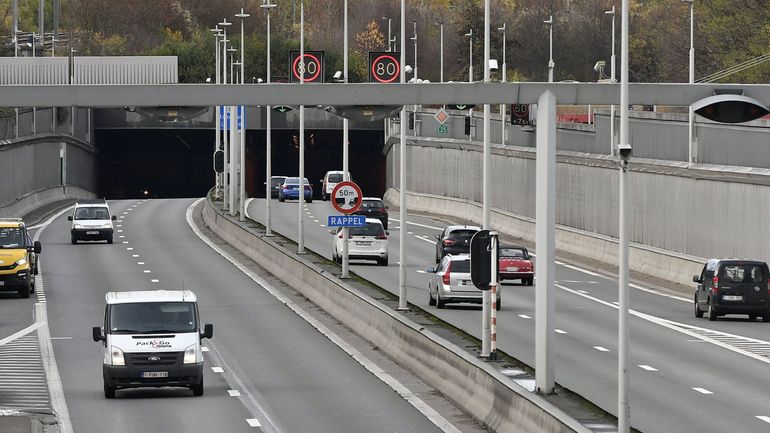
{"type": "Point", "coordinates": [78, 226]}
{"type": "Point", "coordinates": [21, 262]}
{"type": "Point", "coordinates": [191, 354]}
{"type": "Point", "coordinates": [117, 356]}
{"type": "Point", "coordinates": [107, 226]}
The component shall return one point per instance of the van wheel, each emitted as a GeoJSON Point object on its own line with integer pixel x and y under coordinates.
{"type": "Point", "coordinates": [109, 239]}
{"type": "Point", "coordinates": [24, 293]}
{"type": "Point", "coordinates": [712, 313]}
{"type": "Point", "coordinates": [73, 239]}
{"type": "Point", "coordinates": [498, 304]}
{"type": "Point", "coordinates": [530, 281]}
{"type": "Point", "coordinates": [198, 389]}
{"type": "Point", "coordinates": [698, 311]}
{"type": "Point", "coordinates": [766, 317]}
{"type": "Point", "coordinates": [109, 391]}
{"type": "Point", "coordinates": [382, 262]}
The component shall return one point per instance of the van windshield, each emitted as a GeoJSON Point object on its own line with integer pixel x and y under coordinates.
{"type": "Point", "coordinates": [92, 213]}
{"type": "Point", "coordinates": [152, 318]}
{"type": "Point", "coordinates": [11, 237]}
{"type": "Point", "coordinates": [335, 177]}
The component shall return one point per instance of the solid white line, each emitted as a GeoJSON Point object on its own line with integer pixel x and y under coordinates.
{"type": "Point", "coordinates": [575, 268]}
{"type": "Point", "coordinates": [217, 369]}
{"type": "Point", "coordinates": [417, 224]}
{"type": "Point", "coordinates": [703, 391]}
{"type": "Point", "coordinates": [234, 392]}
{"type": "Point", "coordinates": [61, 338]}
{"type": "Point", "coordinates": [426, 240]}
{"type": "Point", "coordinates": [764, 418]}
{"type": "Point", "coordinates": [430, 413]}
{"type": "Point", "coordinates": [253, 422]}
{"type": "Point", "coordinates": [647, 367]}
{"type": "Point", "coordinates": [657, 292]}
{"type": "Point", "coordinates": [601, 349]}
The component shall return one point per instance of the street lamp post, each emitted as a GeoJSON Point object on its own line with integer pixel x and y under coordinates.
{"type": "Point", "coordinates": [470, 55]}
{"type": "Point", "coordinates": [217, 177]}
{"type": "Point", "coordinates": [301, 195]}
{"type": "Point", "coordinates": [345, 154]}
{"type": "Point", "coordinates": [551, 64]}
{"type": "Point", "coordinates": [402, 303]}
{"type": "Point", "coordinates": [233, 140]}
{"type": "Point", "coordinates": [268, 134]}
{"type": "Point", "coordinates": [440, 25]}
{"type": "Point", "coordinates": [225, 131]}
{"type": "Point", "coordinates": [502, 79]}
{"type": "Point", "coordinates": [414, 38]}
{"type": "Point", "coordinates": [390, 41]}
{"type": "Point", "coordinates": [486, 343]}
{"type": "Point", "coordinates": [692, 149]}
{"type": "Point", "coordinates": [242, 152]}
{"type": "Point", "coordinates": [612, 77]}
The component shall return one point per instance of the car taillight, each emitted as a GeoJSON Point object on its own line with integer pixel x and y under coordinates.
{"type": "Point", "coordinates": [445, 278]}
{"type": "Point", "coordinates": [340, 236]}
{"type": "Point", "coordinates": [449, 242]}
{"type": "Point", "coordinates": [715, 287]}
{"type": "Point", "coordinates": [381, 237]}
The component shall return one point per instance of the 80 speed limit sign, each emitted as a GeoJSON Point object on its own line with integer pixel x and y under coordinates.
{"type": "Point", "coordinates": [346, 197]}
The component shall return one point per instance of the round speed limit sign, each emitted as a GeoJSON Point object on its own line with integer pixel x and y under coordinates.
{"type": "Point", "coordinates": [346, 197]}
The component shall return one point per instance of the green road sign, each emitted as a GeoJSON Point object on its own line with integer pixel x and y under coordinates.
{"type": "Point", "coordinates": [442, 129]}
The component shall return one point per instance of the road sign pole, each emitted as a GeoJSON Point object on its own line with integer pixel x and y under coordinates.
{"type": "Point", "coordinates": [345, 155]}
{"type": "Point", "coordinates": [493, 294]}
{"type": "Point", "coordinates": [402, 304]}
{"type": "Point", "coordinates": [486, 297]}
{"type": "Point", "coordinates": [301, 195]}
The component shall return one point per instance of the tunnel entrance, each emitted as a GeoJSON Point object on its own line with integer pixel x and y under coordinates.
{"type": "Point", "coordinates": [171, 163]}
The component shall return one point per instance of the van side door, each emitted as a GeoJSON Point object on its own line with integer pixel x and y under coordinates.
{"type": "Point", "coordinates": [701, 290]}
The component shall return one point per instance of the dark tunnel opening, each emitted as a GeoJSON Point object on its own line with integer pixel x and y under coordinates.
{"type": "Point", "coordinates": [178, 163]}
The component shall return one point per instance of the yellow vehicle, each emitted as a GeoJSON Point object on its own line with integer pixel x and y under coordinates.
{"type": "Point", "coordinates": [18, 257]}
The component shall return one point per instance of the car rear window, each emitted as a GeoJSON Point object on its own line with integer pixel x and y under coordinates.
{"type": "Point", "coordinates": [512, 252]}
{"type": "Point", "coordinates": [372, 204]}
{"type": "Point", "coordinates": [461, 266]}
{"type": "Point", "coordinates": [294, 181]}
{"type": "Point", "coordinates": [742, 273]}
{"type": "Point", "coordinates": [276, 181]}
{"type": "Point", "coordinates": [335, 177]}
{"type": "Point", "coordinates": [370, 229]}
{"type": "Point", "coordinates": [462, 234]}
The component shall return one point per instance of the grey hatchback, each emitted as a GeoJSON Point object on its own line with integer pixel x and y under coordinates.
{"type": "Point", "coordinates": [733, 286]}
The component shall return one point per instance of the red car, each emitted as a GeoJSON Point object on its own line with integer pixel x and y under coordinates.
{"type": "Point", "coordinates": [515, 263]}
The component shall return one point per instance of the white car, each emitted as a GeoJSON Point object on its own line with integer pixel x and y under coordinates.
{"type": "Point", "coordinates": [369, 242]}
{"type": "Point", "coordinates": [330, 180]}
{"type": "Point", "coordinates": [91, 221]}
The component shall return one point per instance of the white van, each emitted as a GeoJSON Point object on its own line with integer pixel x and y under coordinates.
{"type": "Point", "coordinates": [330, 180]}
{"type": "Point", "coordinates": [91, 221]}
{"type": "Point", "coordinates": [152, 339]}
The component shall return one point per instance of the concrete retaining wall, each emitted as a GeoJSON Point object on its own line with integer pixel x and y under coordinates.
{"type": "Point", "coordinates": [481, 391]}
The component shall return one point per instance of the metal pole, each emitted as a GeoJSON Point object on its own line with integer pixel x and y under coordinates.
{"type": "Point", "coordinates": [551, 64]}
{"type": "Point", "coordinates": [414, 38]}
{"type": "Point", "coordinates": [693, 152]}
{"type": "Point", "coordinates": [402, 303]}
{"type": "Point", "coordinates": [545, 228]}
{"type": "Point", "coordinates": [502, 106]}
{"type": "Point", "coordinates": [268, 136]}
{"type": "Point", "coordinates": [41, 27]}
{"type": "Point", "coordinates": [389, 38]}
{"type": "Point", "coordinates": [487, 165]}
{"type": "Point", "coordinates": [612, 77]}
{"type": "Point", "coordinates": [16, 54]}
{"type": "Point", "coordinates": [301, 195]}
{"type": "Point", "coordinates": [624, 377]}
{"type": "Point", "coordinates": [233, 205]}
{"type": "Point", "coordinates": [217, 136]}
{"type": "Point", "coordinates": [226, 127]}
{"type": "Point", "coordinates": [345, 154]}
{"type": "Point", "coordinates": [441, 32]}
{"type": "Point", "coordinates": [34, 109]}
{"type": "Point", "coordinates": [242, 151]}
{"type": "Point", "coordinates": [493, 295]}
{"type": "Point", "coordinates": [53, 54]}
{"type": "Point", "coordinates": [470, 55]}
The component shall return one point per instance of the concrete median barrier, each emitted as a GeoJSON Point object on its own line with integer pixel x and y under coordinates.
{"type": "Point", "coordinates": [484, 393]}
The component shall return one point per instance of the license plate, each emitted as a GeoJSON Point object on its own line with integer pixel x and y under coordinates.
{"type": "Point", "coordinates": [154, 374]}
{"type": "Point", "coordinates": [732, 298]}
{"type": "Point", "coordinates": [364, 244]}
{"type": "Point", "coordinates": [511, 269]}
{"type": "Point", "coordinates": [92, 233]}
{"type": "Point", "coordinates": [2, 283]}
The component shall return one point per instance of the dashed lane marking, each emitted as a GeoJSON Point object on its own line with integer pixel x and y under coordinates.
{"type": "Point", "coordinates": [703, 391]}
{"type": "Point", "coordinates": [559, 331]}
{"type": "Point", "coordinates": [234, 393]}
{"type": "Point", "coordinates": [601, 349]}
{"type": "Point", "coordinates": [139, 263]}
{"type": "Point", "coordinates": [524, 316]}
{"type": "Point", "coordinates": [154, 281]}
{"type": "Point", "coordinates": [253, 422]}
{"type": "Point", "coordinates": [647, 367]}
{"type": "Point", "coordinates": [764, 418]}
{"type": "Point", "coordinates": [217, 369]}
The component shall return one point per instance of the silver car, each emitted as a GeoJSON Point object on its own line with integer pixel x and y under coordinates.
{"type": "Point", "coordinates": [451, 282]}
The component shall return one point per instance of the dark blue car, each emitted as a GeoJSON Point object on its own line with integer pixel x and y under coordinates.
{"type": "Point", "coordinates": [290, 190]}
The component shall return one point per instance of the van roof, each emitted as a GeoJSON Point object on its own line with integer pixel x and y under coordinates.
{"type": "Point", "coordinates": [141, 296]}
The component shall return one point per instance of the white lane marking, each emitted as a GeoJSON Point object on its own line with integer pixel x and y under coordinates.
{"type": "Point", "coordinates": [134, 255]}
{"type": "Point", "coordinates": [121, 231]}
{"type": "Point", "coordinates": [430, 413]}
{"type": "Point", "coordinates": [703, 391]}
{"type": "Point", "coordinates": [123, 237]}
{"type": "Point", "coordinates": [154, 280]}
{"type": "Point", "coordinates": [324, 225]}
{"type": "Point", "coordinates": [417, 224]}
{"type": "Point", "coordinates": [61, 338]}
{"type": "Point", "coordinates": [601, 349]}
{"type": "Point", "coordinates": [234, 393]}
{"type": "Point", "coordinates": [125, 242]}
{"type": "Point", "coordinates": [411, 233]}
{"type": "Point", "coordinates": [253, 422]}
{"type": "Point", "coordinates": [524, 316]}
{"type": "Point", "coordinates": [575, 268]}
{"type": "Point", "coordinates": [317, 221]}
{"type": "Point", "coordinates": [432, 242]}
{"type": "Point", "coordinates": [125, 213]}
{"type": "Point", "coordinates": [580, 291]}
{"type": "Point", "coordinates": [559, 331]}
{"type": "Point", "coordinates": [704, 334]}
{"type": "Point", "coordinates": [420, 271]}
{"type": "Point", "coordinates": [217, 369]}
{"type": "Point", "coordinates": [647, 367]}
{"type": "Point", "coordinates": [147, 271]}
{"type": "Point", "coordinates": [658, 292]}
{"type": "Point", "coordinates": [204, 349]}
{"type": "Point", "coordinates": [23, 332]}
{"type": "Point", "coordinates": [119, 225]}
{"type": "Point", "coordinates": [764, 418]}
{"type": "Point", "coordinates": [575, 281]}
{"type": "Point", "coordinates": [130, 249]}
{"type": "Point", "coordinates": [141, 263]}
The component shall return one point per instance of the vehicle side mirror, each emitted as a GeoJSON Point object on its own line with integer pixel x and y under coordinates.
{"type": "Point", "coordinates": [69, 217]}
{"type": "Point", "coordinates": [431, 270]}
{"type": "Point", "coordinates": [114, 217]}
{"type": "Point", "coordinates": [97, 333]}
{"type": "Point", "coordinates": [696, 278]}
{"type": "Point", "coordinates": [38, 247]}
{"type": "Point", "coordinates": [387, 233]}
{"type": "Point", "coordinates": [333, 232]}
{"type": "Point", "coordinates": [208, 331]}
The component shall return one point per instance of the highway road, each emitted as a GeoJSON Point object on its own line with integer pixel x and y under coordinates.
{"type": "Point", "coordinates": [687, 374]}
{"type": "Point", "coordinates": [267, 369]}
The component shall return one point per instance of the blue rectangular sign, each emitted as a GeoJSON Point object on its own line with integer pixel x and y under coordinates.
{"type": "Point", "coordinates": [346, 220]}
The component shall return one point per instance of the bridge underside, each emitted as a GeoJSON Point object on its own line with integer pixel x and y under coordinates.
{"type": "Point", "coordinates": [169, 163]}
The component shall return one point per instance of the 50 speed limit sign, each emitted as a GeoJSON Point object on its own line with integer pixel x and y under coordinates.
{"type": "Point", "coordinates": [346, 197]}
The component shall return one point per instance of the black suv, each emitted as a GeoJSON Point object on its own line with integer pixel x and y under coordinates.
{"type": "Point", "coordinates": [454, 240]}
{"type": "Point", "coordinates": [374, 208]}
{"type": "Point", "coordinates": [733, 286]}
